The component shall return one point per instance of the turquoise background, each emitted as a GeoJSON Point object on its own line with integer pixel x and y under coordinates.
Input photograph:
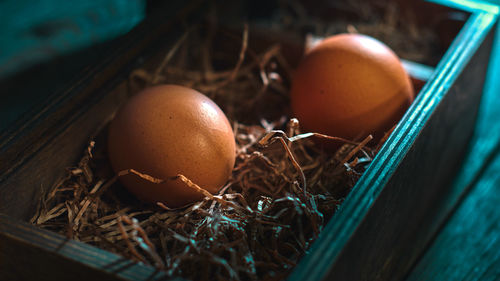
{"type": "Point", "coordinates": [33, 31]}
{"type": "Point", "coordinates": [44, 44]}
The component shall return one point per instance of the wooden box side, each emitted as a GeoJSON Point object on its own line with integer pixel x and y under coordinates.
{"type": "Point", "coordinates": [393, 211]}
{"type": "Point", "coordinates": [36, 150]}
{"type": "Point", "coordinates": [30, 253]}
{"type": "Point", "coordinates": [59, 143]}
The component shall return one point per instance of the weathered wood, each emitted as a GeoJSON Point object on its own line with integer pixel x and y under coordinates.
{"type": "Point", "coordinates": [61, 129]}
{"type": "Point", "coordinates": [37, 31]}
{"type": "Point", "coordinates": [30, 253]}
{"type": "Point", "coordinates": [414, 194]}
{"type": "Point", "coordinates": [468, 246]}
{"type": "Point", "coordinates": [380, 231]}
{"type": "Point", "coordinates": [395, 209]}
{"type": "Point", "coordinates": [20, 192]}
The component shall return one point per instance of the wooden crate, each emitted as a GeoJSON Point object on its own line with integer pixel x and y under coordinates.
{"type": "Point", "coordinates": [380, 230]}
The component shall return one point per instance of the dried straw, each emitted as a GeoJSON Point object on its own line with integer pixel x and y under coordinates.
{"type": "Point", "coordinates": [282, 191]}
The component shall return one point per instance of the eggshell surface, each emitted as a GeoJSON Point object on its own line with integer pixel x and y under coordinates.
{"type": "Point", "coordinates": [168, 130]}
{"type": "Point", "coordinates": [350, 86]}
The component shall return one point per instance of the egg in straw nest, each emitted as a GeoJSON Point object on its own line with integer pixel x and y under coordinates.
{"type": "Point", "coordinates": [256, 224]}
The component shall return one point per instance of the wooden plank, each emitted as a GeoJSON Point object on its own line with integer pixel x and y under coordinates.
{"type": "Point", "coordinates": [28, 134]}
{"type": "Point", "coordinates": [62, 128]}
{"type": "Point", "coordinates": [393, 212]}
{"type": "Point", "coordinates": [34, 31]}
{"type": "Point", "coordinates": [30, 253]}
{"type": "Point", "coordinates": [407, 213]}
{"type": "Point", "coordinates": [468, 247]}
{"type": "Point", "coordinates": [469, 240]}
{"type": "Point", "coordinates": [374, 229]}
{"type": "Point", "coordinates": [21, 190]}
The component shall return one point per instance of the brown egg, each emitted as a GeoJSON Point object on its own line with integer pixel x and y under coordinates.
{"type": "Point", "coordinates": [350, 86]}
{"type": "Point", "coordinates": [168, 130]}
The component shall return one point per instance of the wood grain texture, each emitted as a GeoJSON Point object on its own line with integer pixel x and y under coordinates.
{"type": "Point", "coordinates": [36, 150]}
{"type": "Point", "coordinates": [20, 192]}
{"type": "Point", "coordinates": [35, 153]}
{"type": "Point", "coordinates": [407, 214]}
{"type": "Point", "coordinates": [29, 133]}
{"type": "Point", "coordinates": [386, 241]}
{"type": "Point", "coordinates": [468, 247]}
{"type": "Point", "coordinates": [391, 215]}
{"type": "Point", "coordinates": [30, 253]}
{"type": "Point", "coordinates": [33, 31]}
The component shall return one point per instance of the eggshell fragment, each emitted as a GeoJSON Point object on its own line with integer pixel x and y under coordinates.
{"type": "Point", "coordinates": [350, 86]}
{"type": "Point", "coordinates": [168, 130]}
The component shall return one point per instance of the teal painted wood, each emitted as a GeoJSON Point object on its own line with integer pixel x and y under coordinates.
{"type": "Point", "coordinates": [33, 31]}
{"type": "Point", "coordinates": [468, 248]}
{"type": "Point", "coordinates": [326, 250]}
{"type": "Point", "coordinates": [58, 131]}
{"type": "Point", "coordinates": [365, 194]}
{"type": "Point", "coordinates": [32, 139]}
{"type": "Point", "coordinates": [472, 6]}
{"type": "Point", "coordinates": [418, 71]}
{"type": "Point", "coordinates": [487, 133]}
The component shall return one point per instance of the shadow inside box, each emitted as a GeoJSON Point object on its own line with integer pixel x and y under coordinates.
{"type": "Point", "coordinates": [25, 92]}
